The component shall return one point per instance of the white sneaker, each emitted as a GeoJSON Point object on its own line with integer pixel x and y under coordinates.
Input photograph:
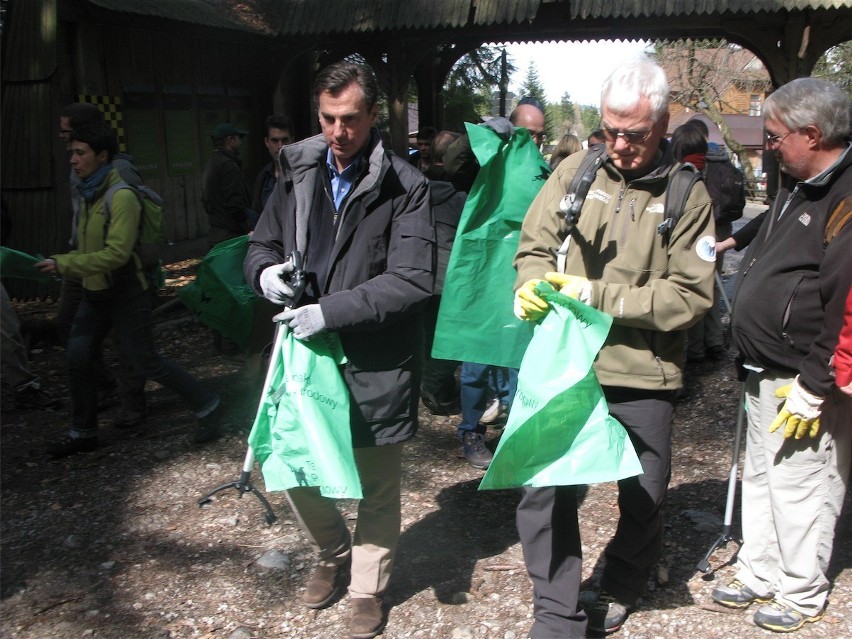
{"type": "Point", "coordinates": [492, 413]}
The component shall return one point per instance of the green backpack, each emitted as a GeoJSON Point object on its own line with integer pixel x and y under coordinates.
{"type": "Point", "coordinates": [152, 228]}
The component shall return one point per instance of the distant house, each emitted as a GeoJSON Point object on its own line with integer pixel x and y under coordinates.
{"type": "Point", "coordinates": [729, 80]}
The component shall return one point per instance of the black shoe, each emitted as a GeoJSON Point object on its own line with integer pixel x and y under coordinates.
{"type": "Point", "coordinates": [209, 427]}
{"type": "Point", "coordinates": [607, 614]}
{"type": "Point", "coordinates": [475, 450]}
{"type": "Point", "coordinates": [30, 395]}
{"type": "Point", "coordinates": [71, 446]}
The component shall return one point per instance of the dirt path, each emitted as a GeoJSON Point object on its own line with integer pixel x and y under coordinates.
{"type": "Point", "coordinates": [113, 545]}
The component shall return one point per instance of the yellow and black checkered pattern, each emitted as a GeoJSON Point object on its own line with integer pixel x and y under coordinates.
{"type": "Point", "coordinates": [110, 106]}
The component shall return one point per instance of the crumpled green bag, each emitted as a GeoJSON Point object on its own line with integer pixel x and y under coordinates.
{"type": "Point", "coordinates": [475, 321]}
{"type": "Point", "coordinates": [301, 433]}
{"type": "Point", "coordinates": [219, 295]}
{"type": "Point", "coordinates": [559, 431]}
{"type": "Point", "coordinates": [20, 265]}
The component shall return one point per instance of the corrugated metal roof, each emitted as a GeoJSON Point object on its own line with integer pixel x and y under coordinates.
{"type": "Point", "coordinates": [252, 16]}
{"type": "Point", "coordinates": [315, 17]}
{"type": "Point", "coordinates": [668, 8]}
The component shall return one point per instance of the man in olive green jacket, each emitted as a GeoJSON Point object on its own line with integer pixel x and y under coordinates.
{"type": "Point", "coordinates": [654, 285]}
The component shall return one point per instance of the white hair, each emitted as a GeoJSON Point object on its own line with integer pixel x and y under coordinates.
{"type": "Point", "coordinates": [628, 84]}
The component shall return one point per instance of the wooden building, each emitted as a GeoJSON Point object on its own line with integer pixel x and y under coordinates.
{"type": "Point", "coordinates": [166, 71]}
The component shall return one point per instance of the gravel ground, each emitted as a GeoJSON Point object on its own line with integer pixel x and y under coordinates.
{"type": "Point", "coordinates": [113, 544]}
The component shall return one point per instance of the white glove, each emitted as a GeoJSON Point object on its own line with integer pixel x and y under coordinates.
{"type": "Point", "coordinates": [305, 322]}
{"type": "Point", "coordinates": [273, 284]}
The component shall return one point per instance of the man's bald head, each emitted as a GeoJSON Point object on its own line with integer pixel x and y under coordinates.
{"type": "Point", "coordinates": [531, 118]}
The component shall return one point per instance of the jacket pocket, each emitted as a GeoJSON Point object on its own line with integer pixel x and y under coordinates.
{"type": "Point", "coordinates": [801, 308]}
{"type": "Point", "coordinates": [380, 395]}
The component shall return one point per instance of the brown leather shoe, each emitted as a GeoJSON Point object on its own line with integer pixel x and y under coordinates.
{"type": "Point", "coordinates": [368, 619]}
{"type": "Point", "coordinates": [324, 585]}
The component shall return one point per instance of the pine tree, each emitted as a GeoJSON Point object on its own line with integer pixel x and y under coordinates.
{"type": "Point", "coordinates": [532, 86]}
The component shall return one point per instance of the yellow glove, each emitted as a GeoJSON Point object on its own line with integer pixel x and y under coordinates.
{"type": "Point", "coordinates": [800, 413]}
{"type": "Point", "coordinates": [528, 305]}
{"type": "Point", "coordinates": [571, 285]}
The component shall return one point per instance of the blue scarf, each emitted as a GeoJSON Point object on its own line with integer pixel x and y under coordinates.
{"type": "Point", "coordinates": [89, 187]}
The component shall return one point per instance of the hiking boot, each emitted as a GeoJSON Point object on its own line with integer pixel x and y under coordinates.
{"type": "Point", "coordinates": [324, 585]}
{"type": "Point", "coordinates": [779, 617]}
{"type": "Point", "coordinates": [368, 619]}
{"type": "Point", "coordinates": [128, 418]}
{"type": "Point", "coordinates": [31, 395]}
{"type": "Point", "coordinates": [736, 595]}
{"type": "Point", "coordinates": [607, 614]}
{"type": "Point", "coordinates": [475, 450]}
{"type": "Point", "coordinates": [209, 427]}
{"type": "Point", "coordinates": [68, 446]}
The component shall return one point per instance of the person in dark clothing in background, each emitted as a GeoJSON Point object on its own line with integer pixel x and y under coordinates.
{"type": "Point", "coordinates": [225, 194]}
{"type": "Point", "coordinates": [279, 132]}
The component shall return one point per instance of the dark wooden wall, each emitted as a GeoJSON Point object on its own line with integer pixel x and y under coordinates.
{"type": "Point", "coordinates": [211, 78]}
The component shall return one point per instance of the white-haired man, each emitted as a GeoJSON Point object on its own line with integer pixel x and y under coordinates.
{"type": "Point", "coordinates": [653, 286]}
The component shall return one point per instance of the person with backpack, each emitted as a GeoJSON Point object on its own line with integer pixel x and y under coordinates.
{"type": "Point", "coordinates": [788, 311]}
{"type": "Point", "coordinates": [129, 385]}
{"type": "Point", "coordinates": [726, 185]}
{"type": "Point", "coordinates": [618, 253]}
{"type": "Point", "coordinates": [114, 296]}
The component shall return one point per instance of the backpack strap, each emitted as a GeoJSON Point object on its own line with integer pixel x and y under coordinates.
{"type": "Point", "coordinates": [572, 203]}
{"type": "Point", "coordinates": [681, 181]}
{"type": "Point", "coordinates": [840, 217]}
{"type": "Point", "coordinates": [110, 193]}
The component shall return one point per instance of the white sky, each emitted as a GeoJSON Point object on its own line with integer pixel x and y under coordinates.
{"type": "Point", "coordinates": [576, 67]}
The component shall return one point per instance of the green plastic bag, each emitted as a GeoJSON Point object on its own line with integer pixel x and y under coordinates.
{"type": "Point", "coordinates": [559, 431]}
{"type": "Point", "coordinates": [219, 295]}
{"type": "Point", "coordinates": [20, 265]}
{"type": "Point", "coordinates": [301, 433]}
{"type": "Point", "coordinates": [475, 321]}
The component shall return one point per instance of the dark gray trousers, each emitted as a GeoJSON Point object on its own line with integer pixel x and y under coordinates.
{"type": "Point", "coordinates": [550, 535]}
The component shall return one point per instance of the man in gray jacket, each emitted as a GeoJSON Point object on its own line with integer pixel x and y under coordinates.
{"type": "Point", "coordinates": [362, 220]}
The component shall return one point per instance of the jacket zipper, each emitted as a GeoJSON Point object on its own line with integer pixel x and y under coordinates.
{"type": "Point", "coordinates": [788, 313]}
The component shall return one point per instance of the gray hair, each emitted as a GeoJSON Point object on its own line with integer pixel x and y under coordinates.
{"type": "Point", "coordinates": [630, 82]}
{"type": "Point", "coordinates": [811, 102]}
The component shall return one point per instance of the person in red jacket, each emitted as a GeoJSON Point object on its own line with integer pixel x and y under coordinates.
{"type": "Point", "coordinates": [843, 351]}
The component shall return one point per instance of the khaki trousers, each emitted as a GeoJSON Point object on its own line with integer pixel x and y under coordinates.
{"type": "Point", "coordinates": [792, 494]}
{"type": "Point", "coordinates": [377, 526]}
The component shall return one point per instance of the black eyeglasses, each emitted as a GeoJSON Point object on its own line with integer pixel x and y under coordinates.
{"type": "Point", "coordinates": [774, 140]}
{"type": "Point", "coordinates": [631, 137]}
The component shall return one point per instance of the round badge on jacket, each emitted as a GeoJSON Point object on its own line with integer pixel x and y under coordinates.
{"type": "Point", "coordinates": [706, 248]}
